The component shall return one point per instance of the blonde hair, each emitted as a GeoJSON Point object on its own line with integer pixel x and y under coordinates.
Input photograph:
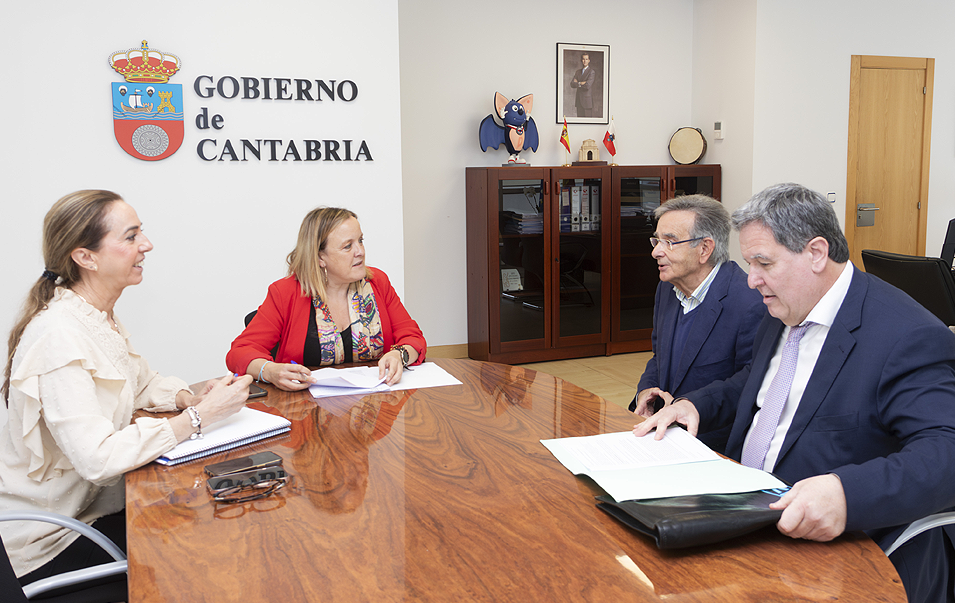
{"type": "Point", "coordinates": [303, 261]}
{"type": "Point", "coordinates": [77, 220]}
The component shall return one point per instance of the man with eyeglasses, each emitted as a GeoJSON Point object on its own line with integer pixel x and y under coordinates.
{"type": "Point", "coordinates": [704, 314]}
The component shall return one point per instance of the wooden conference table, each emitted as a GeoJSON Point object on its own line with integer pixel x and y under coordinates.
{"type": "Point", "coordinates": [447, 494]}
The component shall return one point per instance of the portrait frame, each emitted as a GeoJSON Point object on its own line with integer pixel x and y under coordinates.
{"type": "Point", "coordinates": [569, 61]}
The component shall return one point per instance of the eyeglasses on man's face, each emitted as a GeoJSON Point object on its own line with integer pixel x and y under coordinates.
{"type": "Point", "coordinates": [655, 241]}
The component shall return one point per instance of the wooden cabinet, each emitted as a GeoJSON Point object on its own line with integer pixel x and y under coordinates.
{"type": "Point", "coordinates": [559, 260]}
{"type": "Point", "coordinates": [636, 192]}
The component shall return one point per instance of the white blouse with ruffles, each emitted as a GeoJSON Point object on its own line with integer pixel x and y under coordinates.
{"type": "Point", "coordinates": [68, 440]}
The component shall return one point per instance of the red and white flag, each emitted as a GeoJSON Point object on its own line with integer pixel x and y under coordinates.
{"type": "Point", "coordinates": [609, 138]}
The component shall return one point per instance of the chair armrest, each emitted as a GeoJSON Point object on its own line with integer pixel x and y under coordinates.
{"type": "Point", "coordinates": [921, 525]}
{"type": "Point", "coordinates": [68, 522]}
{"type": "Point", "coordinates": [75, 577]}
{"type": "Point", "coordinates": [119, 566]}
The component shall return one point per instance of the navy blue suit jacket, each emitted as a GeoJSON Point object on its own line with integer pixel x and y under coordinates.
{"type": "Point", "coordinates": [721, 339]}
{"type": "Point", "coordinates": [879, 409]}
{"type": "Point", "coordinates": [719, 344]}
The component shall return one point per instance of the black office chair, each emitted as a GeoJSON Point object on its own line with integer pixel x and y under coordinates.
{"type": "Point", "coordinates": [948, 246]}
{"type": "Point", "coordinates": [927, 280]}
{"type": "Point", "coordinates": [75, 580]}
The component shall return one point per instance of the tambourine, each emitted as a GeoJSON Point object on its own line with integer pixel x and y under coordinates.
{"type": "Point", "coordinates": [687, 145]}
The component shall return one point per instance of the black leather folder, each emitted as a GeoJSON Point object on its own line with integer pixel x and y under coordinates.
{"type": "Point", "coordinates": [686, 521]}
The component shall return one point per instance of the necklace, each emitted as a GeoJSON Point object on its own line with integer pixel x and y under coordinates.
{"type": "Point", "coordinates": [109, 318]}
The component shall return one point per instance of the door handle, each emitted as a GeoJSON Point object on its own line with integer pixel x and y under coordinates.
{"type": "Point", "coordinates": [865, 215]}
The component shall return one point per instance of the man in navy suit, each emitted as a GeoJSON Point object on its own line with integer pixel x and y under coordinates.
{"type": "Point", "coordinates": [865, 429]}
{"type": "Point", "coordinates": [704, 314]}
{"type": "Point", "coordinates": [583, 81]}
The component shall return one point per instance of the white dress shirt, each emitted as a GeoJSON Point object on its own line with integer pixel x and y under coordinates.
{"type": "Point", "coordinates": [690, 302]}
{"type": "Point", "coordinates": [823, 314]}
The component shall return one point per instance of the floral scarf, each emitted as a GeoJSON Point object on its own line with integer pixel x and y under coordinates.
{"type": "Point", "coordinates": [368, 342]}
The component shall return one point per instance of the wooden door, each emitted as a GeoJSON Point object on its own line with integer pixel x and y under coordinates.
{"type": "Point", "coordinates": [890, 125]}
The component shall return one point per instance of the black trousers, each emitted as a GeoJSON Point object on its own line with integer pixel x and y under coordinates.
{"type": "Point", "coordinates": [83, 553]}
{"type": "Point", "coordinates": [926, 565]}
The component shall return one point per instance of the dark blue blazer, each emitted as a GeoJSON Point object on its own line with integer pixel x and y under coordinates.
{"type": "Point", "coordinates": [719, 344]}
{"type": "Point", "coordinates": [879, 409]}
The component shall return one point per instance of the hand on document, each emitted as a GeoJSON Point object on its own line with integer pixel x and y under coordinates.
{"type": "Point", "coordinates": [390, 368]}
{"type": "Point", "coordinates": [650, 397]}
{"type": "Point", "coordinates": [681, 411]}
{"type": "Point", "coordinates": [289, 377]}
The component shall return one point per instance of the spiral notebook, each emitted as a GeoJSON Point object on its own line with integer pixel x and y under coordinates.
{"type": "Point", "coordinates": [244, 427]}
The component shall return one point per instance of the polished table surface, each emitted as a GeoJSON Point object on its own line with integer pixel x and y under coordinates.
{"type": "Point", "coordinates": [447, 494]}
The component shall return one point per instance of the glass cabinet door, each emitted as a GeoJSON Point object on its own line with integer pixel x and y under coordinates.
{"type": "Point", "coordinates": [579, 255]}
{"type": "Point", "coordinates": [638, 277]}
{"type": "Point", "coordinates": [693, 184]}
{"type": "Point", "coordinates": [521, 252]}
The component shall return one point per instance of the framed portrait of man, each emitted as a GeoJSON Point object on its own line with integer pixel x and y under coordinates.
{"type": "Point", "coordinates": [583, 83]}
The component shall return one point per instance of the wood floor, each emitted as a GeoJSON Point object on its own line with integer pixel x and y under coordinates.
{"type": "Point", "coordinates": [613, 378]}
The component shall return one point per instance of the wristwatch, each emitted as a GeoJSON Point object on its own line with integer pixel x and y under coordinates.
{"type": "Point", "coordinates": [405, 356]}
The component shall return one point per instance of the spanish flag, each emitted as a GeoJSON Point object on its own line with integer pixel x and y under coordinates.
{"type": "Point", "coordinates": [564, 138]}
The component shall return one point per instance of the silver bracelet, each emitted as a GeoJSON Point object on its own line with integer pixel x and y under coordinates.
{"type": "Point", "coordinates": [196, 422]}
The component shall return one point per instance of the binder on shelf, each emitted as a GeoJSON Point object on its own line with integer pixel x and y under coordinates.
{"type": "Point", "coordinates": [565, 209]}
{"type": "Point", "coordinates": [575, 209]}
{"type": "Point", "coordinates": [244, 427]}
{"type": "Point", "coordinates": [585, 208]}
{"type": "Point", "coordinates": [595, 207]}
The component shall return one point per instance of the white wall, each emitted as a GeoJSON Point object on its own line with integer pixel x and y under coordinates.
{"type": "Point", "coordinates": [455, 56]}
{"type": "Point", "coordinates": [803, 52]}
{"type": "Point", "coordinates": [724, 80]}
{"type": "Point", "coordinates": [775, 71]}
{"type": "Point", "coordinates": [221, 230]}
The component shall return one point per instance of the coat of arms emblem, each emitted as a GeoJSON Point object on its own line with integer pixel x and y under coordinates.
{"type": "Point", "coordinates": [147, 109]}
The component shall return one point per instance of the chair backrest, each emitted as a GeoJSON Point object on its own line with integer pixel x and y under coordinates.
{"type": "Point", "coordinates": [928, 281]}
{"type": "Point", "coordinates": [948, 247]}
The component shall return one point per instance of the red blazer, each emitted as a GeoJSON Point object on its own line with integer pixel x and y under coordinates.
{"type": "Point", "coordinates": [283, 318]}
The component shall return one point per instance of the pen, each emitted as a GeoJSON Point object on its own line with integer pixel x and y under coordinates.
{"type": "Point", "coordinates": [293, 362]}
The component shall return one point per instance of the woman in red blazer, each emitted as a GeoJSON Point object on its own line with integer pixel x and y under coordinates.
{"type": "Point", "coordinates": [330, 309]}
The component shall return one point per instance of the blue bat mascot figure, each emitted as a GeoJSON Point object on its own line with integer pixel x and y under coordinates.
{"type": "Point", "coordinates": [519, 132]}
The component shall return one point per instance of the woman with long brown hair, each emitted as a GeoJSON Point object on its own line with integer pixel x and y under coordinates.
{"type": "Point", "coordinates": [72, 382]}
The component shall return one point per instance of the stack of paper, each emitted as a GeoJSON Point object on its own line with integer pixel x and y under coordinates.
{"type": "Point", "coordinates": [632, 468]}
{"type": "Point", "coordinates": [364, 379]}
{"type": "Point", "coordinates": [522, 223]}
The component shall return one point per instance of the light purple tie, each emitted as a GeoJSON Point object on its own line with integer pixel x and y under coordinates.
{"type": "Point", "coordinates": [754, 453]}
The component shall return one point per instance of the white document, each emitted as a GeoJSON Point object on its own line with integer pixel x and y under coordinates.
{"type": "Point", "coordinates": [362, 377]}
{"type": "Point", "coordinates": [364, 380]}
{"type": "Point", "coordinates": [631, 468]}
